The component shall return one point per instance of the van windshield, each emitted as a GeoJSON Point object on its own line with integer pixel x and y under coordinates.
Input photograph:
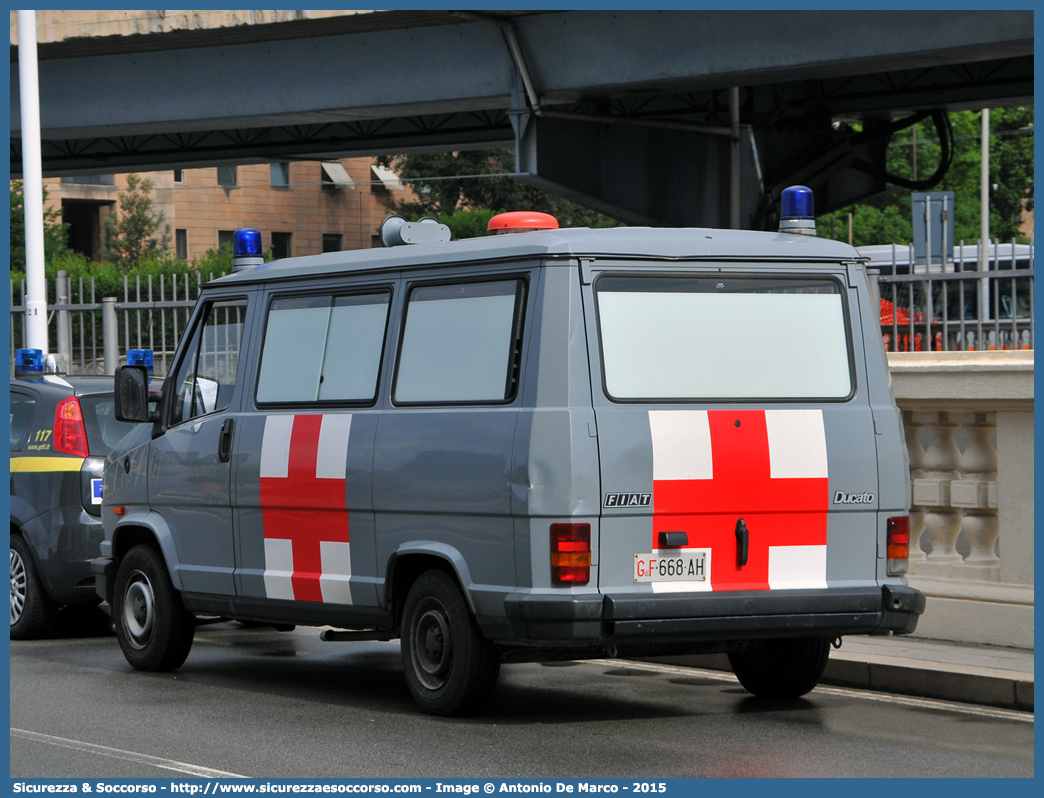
{"type": "Point", "coordinates": [722, 337]}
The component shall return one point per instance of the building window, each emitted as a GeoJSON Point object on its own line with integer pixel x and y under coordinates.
{"type": "Point", "coordinates": [334, 177]}
{"type": "Point", "coordinates": [225, 237]}
{"type": "Point", "coordinates": [331, 242]}
{"type": "Point", "coordinates": [90, 180]}
{"type": "Point", "coordinates": [281, 245]}
{"type": "Point", "coordinates": [226, 175]}
{"type": "Point", "coordinates": [280, 174]}
{"type": "Point", "coordinates": [181, 243]}
{"type": "Point", "coordinates": [179, 175]}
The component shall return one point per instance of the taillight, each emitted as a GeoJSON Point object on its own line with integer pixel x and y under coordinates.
{"type": "Point", "coordinates": [898, 536]}
{"type": "Point", "coordinates": [70, 436]}
{"type": "Point", "coordinates": [571, 554]}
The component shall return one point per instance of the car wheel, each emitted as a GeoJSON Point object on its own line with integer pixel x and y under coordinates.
{"type": "Point", "coordinates": [154, 628]}
{"type": "Point", "coordinates": [450, 667]}
{"type": "Point", "coordinates": [783, 668]}
{"type": "Point", "coordinates": [33, 612]}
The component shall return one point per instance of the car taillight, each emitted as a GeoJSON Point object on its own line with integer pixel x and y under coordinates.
{"type": "Point", "coordinates": [70, 436]}
{"type": "Point", "coordinates": [571, 554]}
{"type": "Point", "coordinates": [898, 536]}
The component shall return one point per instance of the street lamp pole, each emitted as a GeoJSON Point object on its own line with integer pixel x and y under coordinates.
{"type": "Point", "coordinates": [32, 184]}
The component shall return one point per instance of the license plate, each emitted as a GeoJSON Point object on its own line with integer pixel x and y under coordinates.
{"type": "Point", "coordinates": [688, 565]}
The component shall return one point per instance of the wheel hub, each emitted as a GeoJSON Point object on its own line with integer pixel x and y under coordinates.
{"type": "Point", "coordinates": [17, 587]}
{"type": "Point", "coordinates": [139, 610]}
{"type": "Point", "coordinates": [433, 646]}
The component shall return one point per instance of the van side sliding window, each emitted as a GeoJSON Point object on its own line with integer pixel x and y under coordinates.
{"type": "Point", "coordinates": [461, 343]}
{"type": "Point", "coordinates": [206, 376]}
{"type": "Point", "coordinates": [323, 348]}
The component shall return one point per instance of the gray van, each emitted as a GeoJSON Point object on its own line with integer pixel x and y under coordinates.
{"type": "Point", "coordinates": [554, 444]}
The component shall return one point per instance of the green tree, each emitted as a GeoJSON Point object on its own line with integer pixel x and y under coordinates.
{"type": "Point", "coordinates": [55, 230]}
{"type": "Point", "coordinates": [131, 235]}
{"type": "Point", "coordinates": [448, 183]}
{"type": "Point", "coordinates": [886, 218]}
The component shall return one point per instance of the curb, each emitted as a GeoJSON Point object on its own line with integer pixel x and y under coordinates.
{"type": "Point", "coordinates": [996, 689]}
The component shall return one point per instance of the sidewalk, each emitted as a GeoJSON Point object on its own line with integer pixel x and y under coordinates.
{"type": "Point", "coordinates": [991, 675]}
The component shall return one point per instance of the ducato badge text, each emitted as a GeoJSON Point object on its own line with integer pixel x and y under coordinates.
{"type": "Point", "coordinates": [840, 497]}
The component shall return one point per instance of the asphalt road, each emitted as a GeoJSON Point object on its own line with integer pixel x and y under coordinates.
{"type": "Point", "coordinates": [260, 703]}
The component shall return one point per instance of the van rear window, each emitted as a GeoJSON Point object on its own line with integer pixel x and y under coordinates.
{"type": "Point", "coordinates": [667, 338]}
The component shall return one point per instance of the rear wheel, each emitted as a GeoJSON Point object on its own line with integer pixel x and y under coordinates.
{"type": "Point", "coordinates": [154, 628]}
{"type": "Point", "coordinates": [784, 668]}
{"type": "Point", "coordinates": [450, 667]}
{"type": "Point", "coordinates": [33, 612]}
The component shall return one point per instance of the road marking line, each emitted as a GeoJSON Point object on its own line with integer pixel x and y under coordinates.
{"type": "Point", "coordinates": [869, 695]}
{"type": "Point", "coordinates": [129, 756]}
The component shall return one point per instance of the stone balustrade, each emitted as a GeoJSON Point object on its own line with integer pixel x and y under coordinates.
{"type": "Point", "coordinates": [969, 431]}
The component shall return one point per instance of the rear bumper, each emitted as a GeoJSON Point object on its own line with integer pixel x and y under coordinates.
{"type": "Point", "coordinates": [64, 541]}
{"type": "Point", "coordinates": [666, 619]}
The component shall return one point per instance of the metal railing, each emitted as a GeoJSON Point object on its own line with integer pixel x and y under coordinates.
{"type": "Point", "coordinates": [958, 308]}
{"type": "Point", "coordinates": [94, 333]}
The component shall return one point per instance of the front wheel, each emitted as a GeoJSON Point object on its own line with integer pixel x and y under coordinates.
{"type": "Point", "coordinates": [154, 628]}
{"type": "Point", "coordinates": [450, 667]}
{"type": "Point", "coordinates": [782, 668]}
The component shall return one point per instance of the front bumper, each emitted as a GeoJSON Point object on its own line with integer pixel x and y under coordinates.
{"type": "Point", "coordinates": [629, 620]}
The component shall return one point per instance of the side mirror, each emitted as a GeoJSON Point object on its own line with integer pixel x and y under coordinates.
{"type": "Point", "coordinates": [132, 394]}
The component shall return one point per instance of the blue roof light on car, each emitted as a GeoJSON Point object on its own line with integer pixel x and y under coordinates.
{"type": "Point", "coordinates": [796, 211]}
{"type": "Point", "coordinates": [28, 362]}
{"type": "Point", "coordinates": [246, 249]}
{"type": "Point", "coordinates": [140, 357]}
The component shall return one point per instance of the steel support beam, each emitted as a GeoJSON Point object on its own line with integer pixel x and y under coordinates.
{"type": "Point", "coordinates": [623, 96]}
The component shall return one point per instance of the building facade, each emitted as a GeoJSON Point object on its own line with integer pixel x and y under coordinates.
{"type": "Point", "coordinates": [300, 207]}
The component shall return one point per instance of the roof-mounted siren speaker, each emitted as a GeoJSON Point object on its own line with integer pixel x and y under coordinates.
{"type": "Point", "coordinates": [396, 231]}
{"type": "Point", "coordinates": [246, 249]}
{"type": "Point", "coordinates": [796, 213]}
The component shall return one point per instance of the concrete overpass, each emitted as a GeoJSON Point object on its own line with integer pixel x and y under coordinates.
{"type": "Point", "coordinates": [626, 111]}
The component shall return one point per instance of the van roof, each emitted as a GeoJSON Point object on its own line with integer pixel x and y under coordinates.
{"type": "Point", "coordinates": [615, 242]}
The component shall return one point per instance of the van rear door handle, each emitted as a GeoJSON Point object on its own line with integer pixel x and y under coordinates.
{"type": "Point", "coordinates": [225, 440]}
{"type": "Point", "coordinates": [742, 540]}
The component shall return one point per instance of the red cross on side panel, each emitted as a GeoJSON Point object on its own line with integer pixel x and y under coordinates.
{"type": "Point", "coordinates": [778, 512]}
{"type": "Point", "coordinates": [302, 507]}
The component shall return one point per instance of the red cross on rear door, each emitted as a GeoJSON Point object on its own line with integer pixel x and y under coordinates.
{"type": "Point", "coordinates": [768, 467]}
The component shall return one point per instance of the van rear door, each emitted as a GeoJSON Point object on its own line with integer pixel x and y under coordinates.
{"type": "Point", "coordinates": [736, 441]}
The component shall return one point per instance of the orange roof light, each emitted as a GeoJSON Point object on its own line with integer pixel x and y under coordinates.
{"type": "Point", "coordinates": [522, 222]}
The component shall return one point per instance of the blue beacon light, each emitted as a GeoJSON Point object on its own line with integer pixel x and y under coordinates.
{"type": "Point", "coordinates": [797, 211]}
{"type": "Point", "coordinates": [140, 357]}
{"type": "Point", "coordinates": [246, 249]}
{"type": "Point", "coordinates": [29, 362]}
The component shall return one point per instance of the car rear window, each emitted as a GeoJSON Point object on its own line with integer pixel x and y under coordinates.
{"type": "Point", "coordinates": [103, 430]}
{"type": "Point", "coordinates": [667, 338]}
{"type": "Point", "coordinates": [21, 411]}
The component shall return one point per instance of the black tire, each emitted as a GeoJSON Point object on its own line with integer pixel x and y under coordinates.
{"type": "Point", "coordinates": [33, 612]}
{"type": "Point", "coordinates": [154, 628]}
{"type": "Point", "coordinates": [450, 667]}
{"type": "Point", "coordinates": [783, 668]}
